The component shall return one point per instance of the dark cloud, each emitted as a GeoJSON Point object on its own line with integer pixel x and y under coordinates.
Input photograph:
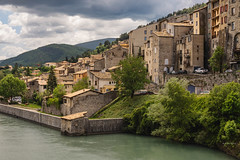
{"type": "Point", "coordinates": [101, 9]}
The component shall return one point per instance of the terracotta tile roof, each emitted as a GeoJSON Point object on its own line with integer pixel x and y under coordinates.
{"type": "Point", "coordinates": [70, 95]}
{"type": "Point", "coordinates": [81, 72]}
{"type": "Point", "coordinates": [113, 68]}
{"type": "Point", "coordinates": [181, 24]}
{"type": "Point", "coordinates": [162, 34]}
{"type": "Point", "coordinates": [102, 75]}
{"type": "Point", "coordinates": [75, 116]}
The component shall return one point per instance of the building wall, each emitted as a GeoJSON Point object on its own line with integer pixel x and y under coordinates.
{"type": "Point", "coordinates": [114, 56]}
{"type": "Point", "coordinates": [99, 65]}
{"type": "Point", "coordinates": [89, 101]}
{"type": "Point", "coordinates": [139, 36]}
{"type": "Point", "coordinates": [85, 126]}
{"type": "Point", "coordinates": [162, 56]}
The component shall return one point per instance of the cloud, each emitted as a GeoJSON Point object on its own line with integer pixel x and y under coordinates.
{"type": "Point", "coordinates": [37, 31]}
{"type": "Point", "coordinates": [101, 9]}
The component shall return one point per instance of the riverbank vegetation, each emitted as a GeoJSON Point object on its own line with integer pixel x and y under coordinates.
{"type": "Point", "coordinates": [212, 120]}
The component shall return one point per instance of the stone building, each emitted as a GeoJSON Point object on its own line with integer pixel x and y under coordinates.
{"type": "Point", "coordinates": [139, 36]}
{"type": "Point", "coordinates": [101, 81]}
{"type": "Point", "coordinates": [79, 75]}
{"type": "Point", "coordinates": [114, 55]}
{"type": "Point", "coordinates": [190, 52]}
{"type": "Point", "coordinates": [233, 34]}
{"type": "Point", "coordinates": [159, 55]}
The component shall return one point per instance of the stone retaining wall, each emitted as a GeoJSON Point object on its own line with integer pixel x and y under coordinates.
{"type": "Point", "coordinates": [100, 126]}
{"type": "Point", "coordinates": [77, 124]}
{"type": "Point", "coordinates": [34, 116]}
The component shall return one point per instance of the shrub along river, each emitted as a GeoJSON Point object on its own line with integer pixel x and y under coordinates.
{"type": "Point", "coordinates": [27, 141]}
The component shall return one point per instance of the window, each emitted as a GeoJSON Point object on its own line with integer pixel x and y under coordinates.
{"type": "Point", "coordinates": [145, 38]}
{"type": "Point", "coordinates": [44, 87]}
{"type": "Point", "coordinates": [233, 1]}
{"type": "Point", "coordinates": [221, 9]}
{"type": "Point", "coordinates": [170, 31]}
{"type": "Point", "coordinates": [109, 82]}
{"type": "Point", "coordinates": [226, 8]}
{"type": "Point", "coordinates": [181, 60]}
{"type": "Point", "coordinates": [166, 61]}
{"type": "Point", "coordinates": [233, 11]}
{"type": "Point", "coordinates": [233, 25]}
{"type": "Point", "coordinates": [222, 20]}
{"type": "Point", "coordinates": [89, 82]}
{"type": "Point", "coordinates": [196, 15]}
{"type": "Point", "coordinates": [197, 58]}
{"type": "Point", "coordinates": [64, 101]}
{"type": "Point", "coordinates": [95, 82]}
{"type": "Point", "coordinates": [156, 27]}
{"type": "Point", "coordinates": [151, 31]}
{"type": "Point", "coordinates": [145, 31]}
{"type": "Point", "coordinates": [196, 23]}
{"type": "Point", "coordinates": [225, 19]}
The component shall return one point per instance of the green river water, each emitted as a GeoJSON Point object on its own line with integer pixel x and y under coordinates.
{"type": "Point", "coordinates": [21, 140]}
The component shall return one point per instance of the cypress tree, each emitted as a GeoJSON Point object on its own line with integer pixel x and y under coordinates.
{"type": "Point", "coordinates": [52, 81]}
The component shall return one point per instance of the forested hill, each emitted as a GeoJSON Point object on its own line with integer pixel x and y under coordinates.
{"type": "Point", "coordinates": [93, 44]}
{"type": "Point", "coordinates": [49, 53]}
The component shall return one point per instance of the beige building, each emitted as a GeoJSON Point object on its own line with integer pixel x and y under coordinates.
{"type": "Point", "coordinates": [101, 80]}
{"type": "Point", "coordinates": [139, 36]}
{"type": "Point", "coordinates": [79, 75]}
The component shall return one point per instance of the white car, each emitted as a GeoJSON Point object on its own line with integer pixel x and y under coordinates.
{"type": "Point", "coordinates": [201, 71]}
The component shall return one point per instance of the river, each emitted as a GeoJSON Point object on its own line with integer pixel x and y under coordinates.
{"type": "Point", "coordinates": [23, 140]}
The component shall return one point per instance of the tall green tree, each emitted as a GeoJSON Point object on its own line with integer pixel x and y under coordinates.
{"type": "Point", "coordinates": [52, 81]}
{"type": "Point", "coordinates": [175, 112]}
{"type": "Point", "coordinates": [15, 70]}
{"type": "Point", "coordinates": [11, 86]}
{"type": "Point", "coordinates": [131, 76]}
{"type": "Point", "coordinates": [81, 84]}
{"type": "Point", "coordinates": [216, 61]}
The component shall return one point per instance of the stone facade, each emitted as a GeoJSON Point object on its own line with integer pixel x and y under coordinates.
{"type": "Point", "coordinates": [88, 100]}
{"type": "Point", "coordinates": [190, 52]}
{"type": "Point", "coordinates": [139, 36]}
{"type": "Point", "coordinates": [34, 116]}
{"type": "Point", "coordinates": [114, 55]}
{"type": "Point", "coordinates": [77, 124]}
{"type": "Point", "coordinates": [208, 81]}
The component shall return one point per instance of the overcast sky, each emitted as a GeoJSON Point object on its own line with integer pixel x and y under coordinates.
{"type": "Point", "coordinates": [28, 24]}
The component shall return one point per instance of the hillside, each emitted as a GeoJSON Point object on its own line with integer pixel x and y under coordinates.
{"type": "Point", "coordinates": [93, 44]}
{"type": "Point", "coordinates": [49, 53]}
{"type": "Point", "coordinates": [120, 107]}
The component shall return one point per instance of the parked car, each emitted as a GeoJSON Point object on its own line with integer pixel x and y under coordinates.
{"type": "Point", "coordinates": [173, 72]}
{"type": "Point", "coordinates": [182, 72]}
{"type": "Point", "coordinates": [228, 71]}
{"type": "Point", "coordinates": [201, 71]}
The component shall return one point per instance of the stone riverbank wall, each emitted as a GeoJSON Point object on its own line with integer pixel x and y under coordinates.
{"type": "Point", "coordinates": [31, 115]}
{"type": "Point", "coordinates": [78, 124]}
{"type": "Point", "coordinates": [72, 125]}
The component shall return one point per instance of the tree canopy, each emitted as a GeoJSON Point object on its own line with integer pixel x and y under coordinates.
{"type": "Point", "coordinates": [81, 84]}
{"type": "Point", "coordinates": [131, 76]}
{"type": "Point", "coordinates": [216, 61]}
{"type": "Point", "coordinates": [11, 86]}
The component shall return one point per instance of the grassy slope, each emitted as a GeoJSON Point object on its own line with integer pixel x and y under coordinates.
{"type": "Point", "coordinates": [123, 106]}
{"type": "Point", "coordinates": [49, 53]}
